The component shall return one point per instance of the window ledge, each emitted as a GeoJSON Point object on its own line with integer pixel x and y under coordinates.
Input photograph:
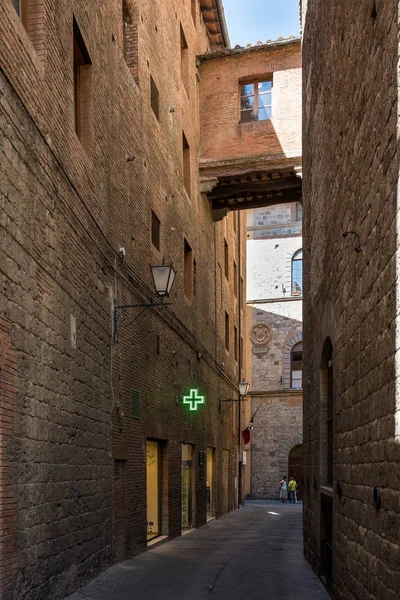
{"type": "Point", "coordinates": [326, 490]}
{"type": "Point", "coordinates": [266, 123]}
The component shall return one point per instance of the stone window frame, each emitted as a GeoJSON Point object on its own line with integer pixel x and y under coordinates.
{"type": "Point", "coordinates": [287, 358]}
{"type": "Point", "coordinates": [293, 260]}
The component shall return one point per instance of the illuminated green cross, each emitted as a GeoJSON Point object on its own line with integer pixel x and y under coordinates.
{"type": "Point", "coordinates": [194, 399]}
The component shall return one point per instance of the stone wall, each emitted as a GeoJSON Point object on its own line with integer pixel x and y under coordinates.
{"type": "Point", "coordinates": [350, 183]}
{"type": "Point", "coordinates": [277, 429]}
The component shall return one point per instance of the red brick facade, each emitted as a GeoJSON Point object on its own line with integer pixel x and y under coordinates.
{"type": "Point", "coordinates": [74, 469]}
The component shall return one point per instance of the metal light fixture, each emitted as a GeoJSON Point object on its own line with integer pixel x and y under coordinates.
{"type": "Point", "coordinates": [163, 279]}
{"type": "Point", "coordinates": [243, 388]}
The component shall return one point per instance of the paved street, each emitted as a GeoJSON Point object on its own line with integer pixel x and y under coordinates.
{"type": "Point", "coordinates": [254, 553]}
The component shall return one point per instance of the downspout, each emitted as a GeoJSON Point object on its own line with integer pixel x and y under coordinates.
{"type": "Point", "coordinates": [240, 301]}
{"type": "Point", "coordinates": [215, 297]}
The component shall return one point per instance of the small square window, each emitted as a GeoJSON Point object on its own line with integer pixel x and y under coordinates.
{"type": "Point", "coordinates": [226, 259]}
{"type": "Point", "coordinates": [188, 265]}
{"type": "Point", "coordinates": [155, 98]}
{"type": "Point", "coordinates": [83, 92]}
{"type": "Point", "coordinates": [226, 331]}
{"type": "Point", "coordinates": [155, 230]}
{"type": "Point", "coordinates": [186, 164]}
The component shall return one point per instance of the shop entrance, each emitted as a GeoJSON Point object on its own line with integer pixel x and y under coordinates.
{"type": "Point", "coordinates": [153, 488]}
{"type": "Point", "coordinates": [211, 483]}
{"type": "Point", "coordinates": [187, 454]}
{"type": "Point", "coordinates": [295, 468]}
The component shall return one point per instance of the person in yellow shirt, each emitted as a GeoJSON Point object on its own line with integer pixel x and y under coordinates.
{"type": "Point", "coordinates": [292, 485]}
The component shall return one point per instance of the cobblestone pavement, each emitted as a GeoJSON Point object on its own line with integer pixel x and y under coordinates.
{"type": "Point", "coordinates": [255, 553]}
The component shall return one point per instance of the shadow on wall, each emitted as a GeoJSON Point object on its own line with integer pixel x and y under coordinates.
{"type": "Point", "coordinates": [351, 298]}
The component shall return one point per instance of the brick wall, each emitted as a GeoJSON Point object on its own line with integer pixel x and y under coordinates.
{"type": "Point", "coordinates": [65, 214]}
{"type": "Point", "coordinates": [222, 136]}
{"type": "Point", "coordinates": [350, 179]}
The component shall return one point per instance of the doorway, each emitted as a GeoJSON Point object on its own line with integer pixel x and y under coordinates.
{"type": "Point", "coordinates": [210, 483]}
{"type": "Point", "coordinates": [295, 469]}
{"type": "Point", "coordinates": [187, 454]}
{"type": "Point", "coordinates": [326, 540]}
{"type": "Point", "coordinates": [153, 488]}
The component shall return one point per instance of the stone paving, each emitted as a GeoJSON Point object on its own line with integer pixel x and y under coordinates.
{"type": "Point", "coordinates": [255, 553]}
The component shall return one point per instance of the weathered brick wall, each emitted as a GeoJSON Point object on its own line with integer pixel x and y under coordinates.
{"type": "Point", "coordinates": [222, 136]}
{"type": "Point", "coordinates": [64, 217]}
{"type": "Point", "coordinates": [350, 178]}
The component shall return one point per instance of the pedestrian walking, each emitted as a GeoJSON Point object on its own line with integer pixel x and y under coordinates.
{"type": "Point", "coordinates": [292, 485]}
{"type": "Point", "coordinates": [283, 489]}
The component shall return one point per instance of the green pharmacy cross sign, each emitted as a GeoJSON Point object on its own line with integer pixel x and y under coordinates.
{"type": "Point", "coordinates": [193, 400]}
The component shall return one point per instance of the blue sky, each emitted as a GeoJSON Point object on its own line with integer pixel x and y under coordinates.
{"type": "Point", "coordinates": [253, 20]}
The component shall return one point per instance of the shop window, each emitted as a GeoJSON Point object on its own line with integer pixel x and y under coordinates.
{"type": "Point", "coordinates": [187, 485]}
{"type": "Point", "coordinates": [297, 273]}
{"type": "Point", "coordinates": [255, 101]}
{"type": "Point", "coordinates": [130, 18]}
{"type": "Point", "coordinates": [155, 230]}
{"type": "Point", "coordinates": [211, 483]}
{"type": "Point", "coordinates": [188, 271]}
{"type": "Point", "coordinates": [184, 61]}
{"type": "Point", "coordinates": [154, 98]}
{"type": "Point", "coordinates": [296, 366]}
{"type": "Point", "coordinates": [83, 92]}
{"type": "Point", "coordinates": [186, 164]}
{"type": "Point", "coordinates": [153, 489]}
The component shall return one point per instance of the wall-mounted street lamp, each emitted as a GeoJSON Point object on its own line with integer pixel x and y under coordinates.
{"type": "Point", "coordinates": [243, 389]}
{"type": "Point", "coordinates": [163, 279]}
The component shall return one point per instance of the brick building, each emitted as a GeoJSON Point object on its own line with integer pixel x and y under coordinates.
{"type": "Point", "coordinates": [251, 160]}
{"type": "Point", "coordinates": [99, 115]}
{"type": "Point", "coordinates": [351, 265]}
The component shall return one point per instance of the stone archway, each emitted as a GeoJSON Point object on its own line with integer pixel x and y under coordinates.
{"type": "Point", "coordinates": [284, 451]}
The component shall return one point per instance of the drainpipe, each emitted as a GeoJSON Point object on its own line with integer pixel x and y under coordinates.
{"type": "Point", "coordinates": [240, 301]}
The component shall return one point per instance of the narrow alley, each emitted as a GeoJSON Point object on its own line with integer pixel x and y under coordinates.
{"type": "Point", "coordinates": [256, 552]}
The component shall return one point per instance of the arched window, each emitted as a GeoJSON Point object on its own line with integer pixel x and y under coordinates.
{"type": "Point", "coordinates": [296, 366]}
{"type": "Point", "coordinates": [326, 413]}
{"type": "Point", "coordinates": [297, 273]}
